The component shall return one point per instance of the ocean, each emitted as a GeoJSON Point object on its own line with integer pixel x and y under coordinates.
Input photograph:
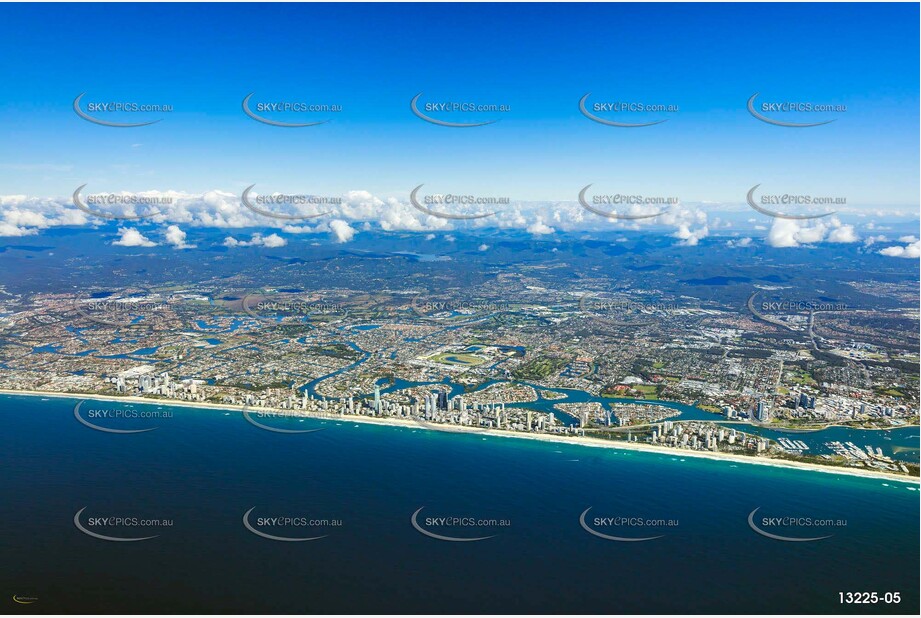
{"type": "Point", "coordinates": [190, 483]}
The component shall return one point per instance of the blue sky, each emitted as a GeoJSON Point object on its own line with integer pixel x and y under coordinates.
{"type": "Point", "coordinates": [538, 59]}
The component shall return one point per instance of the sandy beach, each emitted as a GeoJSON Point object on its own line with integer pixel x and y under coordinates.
{"type": "Point", "coordinates": [563, 439]}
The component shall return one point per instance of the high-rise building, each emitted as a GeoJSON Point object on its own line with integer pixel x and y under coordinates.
{"type": "Point", "coordinates": [761, 412]}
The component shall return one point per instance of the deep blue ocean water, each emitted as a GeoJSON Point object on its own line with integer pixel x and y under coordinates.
{"type": "Point", "coordinates": [203, 469]}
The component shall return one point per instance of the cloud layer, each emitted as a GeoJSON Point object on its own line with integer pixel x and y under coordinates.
{"type": "Point", "coordinates": [358, 211]}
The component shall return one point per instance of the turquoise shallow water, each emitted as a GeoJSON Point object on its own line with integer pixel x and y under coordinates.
{"type": "Point", "coordinates": [203, 469]}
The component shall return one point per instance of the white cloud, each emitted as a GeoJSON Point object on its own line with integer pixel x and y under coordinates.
{"type": "Point", "coordinates": [176, 237]}
{"type": "Point", "coordinates": [540, 228]}
{"type": "Point", "coordinates": [783, 233]}
{"type": "Point", "coordinates": [8, 229]}
{"type": "Point", "coordinates": [274, 240]}
{"type": "Point", "coordinates": [741, 242]}
{"type": "Point", "coordinates": [843, 234]}
{"type": "Point", "coordinates": [912, 250]}
{"type": "Point", "coordinates": [810, 235]}
{"type": "Point", "coordinates": [483, 247]}
{"type": "Point", "coordinates": [130, 237]}
{"type": "Point", "coordinates": [341, 231]}
{"type": "Point", "coordinates": [908, 239]}
{"type": "Point", "coordinates": [271, 241]}
{"type": "Point", "coordinates": [690, 237]}
{"type": "Point", "coordinates": [299, 229]}
{"type": "Point", "coordinates": [793, 233]}
{"type": "Point", "coordinates": [21, 215]}
{"type": "Point", "coordinates": [875, 239]}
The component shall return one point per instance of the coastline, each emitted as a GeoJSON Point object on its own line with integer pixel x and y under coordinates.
{"type": "Point", "coordinates": [555, 438]}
